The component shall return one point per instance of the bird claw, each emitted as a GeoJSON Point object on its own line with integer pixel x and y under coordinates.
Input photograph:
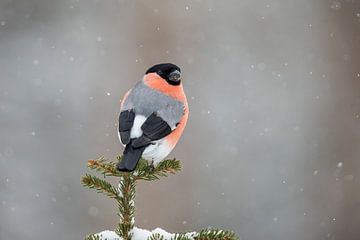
{"type": "Point", "coordinates": [151, 167]}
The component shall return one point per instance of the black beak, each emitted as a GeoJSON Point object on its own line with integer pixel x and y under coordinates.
{"type": "Point", "coordinates": [175, 76]}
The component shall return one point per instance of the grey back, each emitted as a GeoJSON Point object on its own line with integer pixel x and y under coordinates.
{"type": "Point", "coordinates": [145, 101]}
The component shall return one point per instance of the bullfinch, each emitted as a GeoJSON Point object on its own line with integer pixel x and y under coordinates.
{"type": "Point", "coordinates": [153, 115]}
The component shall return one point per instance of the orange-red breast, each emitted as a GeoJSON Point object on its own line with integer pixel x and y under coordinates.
{"type": "Point", "coordinates": [153, 116]}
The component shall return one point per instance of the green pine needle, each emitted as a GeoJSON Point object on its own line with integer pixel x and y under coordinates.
{"type": "Point", "coordinates": [106, 167]}
{"type": "Point", "coordinates": [215, 234]}
{"type": "Point", "coordinates": [181, 236]}
{"type": "Point", "coordinates": [100, 185]}
{"type": "Point", "coordinates": [145, 171]}
{"type": "Point", "coordinates": [93, 237]}
{"type": "Point", "coordinates": [156, 236]}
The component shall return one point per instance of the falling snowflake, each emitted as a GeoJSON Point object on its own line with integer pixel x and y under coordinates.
{"type": "Point", "coordinates": [336, 5]}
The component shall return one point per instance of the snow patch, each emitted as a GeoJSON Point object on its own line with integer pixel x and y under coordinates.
{"type": "Point", "coordinates": [140, 234]}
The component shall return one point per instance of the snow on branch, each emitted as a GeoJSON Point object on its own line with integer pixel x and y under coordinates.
{"type": "Point", "coordinates": [160, 234]}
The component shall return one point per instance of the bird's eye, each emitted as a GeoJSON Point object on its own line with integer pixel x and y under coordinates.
{"type": "Point", "coordinates": [159, 72]}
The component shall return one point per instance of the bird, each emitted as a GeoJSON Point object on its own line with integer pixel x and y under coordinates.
{"type": "Point", "coordinates": [153, 116]}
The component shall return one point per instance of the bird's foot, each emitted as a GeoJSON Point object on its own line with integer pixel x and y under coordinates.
{"type": "Point", "coordinates": [151, 166]}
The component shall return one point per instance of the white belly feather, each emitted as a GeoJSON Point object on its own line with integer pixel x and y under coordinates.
{"type": "Point", "coordinates": [158, 150]}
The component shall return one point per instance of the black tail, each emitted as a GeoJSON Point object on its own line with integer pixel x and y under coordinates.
{"type": "Point", "coordinates": [130, 158]}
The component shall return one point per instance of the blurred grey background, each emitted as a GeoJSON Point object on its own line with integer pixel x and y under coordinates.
{"type": "Point", "coordinates": [271, 149]}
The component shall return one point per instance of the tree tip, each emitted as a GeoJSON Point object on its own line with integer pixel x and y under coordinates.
{"type": "Point", "coordinates": [91, 162]}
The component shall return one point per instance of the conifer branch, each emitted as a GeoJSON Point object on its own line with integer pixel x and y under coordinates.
{"type": "Point", "coordinates": [126, 206]}
{"type": "Point", "coordinates": [92, 237]}
{"type": "Point", "coordinates": [125, 196]}
{"type": "Point", "coordinates": [215, 234]}
{"type": "Point", "coordinates": [107, 168]}
{"type": "Point", "coordinates": [100, 185]}
{"type": "Point", "coordinates": [146, 172]}
{"type": "Point", "coordinates": [156, 236]}
{"type": "Point", "coordinates": [181, 236]}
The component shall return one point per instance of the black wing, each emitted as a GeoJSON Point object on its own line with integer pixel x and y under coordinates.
{"type": "Point", "coordinates": [154, 128]}
{"type": "Point", "coordinates": [126, 121]}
